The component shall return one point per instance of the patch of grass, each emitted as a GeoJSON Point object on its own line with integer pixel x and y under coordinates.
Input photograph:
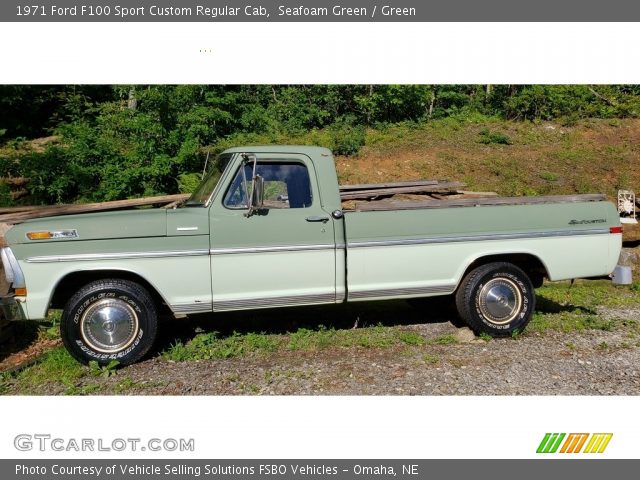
{"type": "Point", "coordinates": [4, 383]}
{"type": "Point", "coordinates": [570, 345]}
{"type": "Point", "coordinates": [83, 389]}
{"type": "Point", "coordinates": [584, 185]}
{"type": "Point", "coordinates": [50, 329]}
{"type": "Point", "coordinates": [103, 370]}
{"type": "Point", "coordinates": [125, 385]}
{"type": "Point", "coordinates": [379, 337]}
{"type": "Point", "coordinates": [306, 339]}
{"type": "Point", "coordinates": [431, 359]}
{"type": "Point", "coordinates": [443, 340]}
{"type": "Point", "coordinates": [548, 176]}
{"type": "Point", "coordinates": [56, 366]}
{"type": "Point", "coordinates": [251, 388]}
{"type": "Point", "coordinates": [369, 337]}
{"type": "Point", "coordinates": [485, 336]}
{"type": "Point", "coordinates": [206, 346]}
{"type": "Point", "coordinates": [569, 321]}
{"type": "Point", "coordinates": [411, 338]}
{"type": "Point", "coordinates": [586, 295]}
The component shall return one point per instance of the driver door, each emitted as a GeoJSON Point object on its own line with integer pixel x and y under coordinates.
{"type": "Point", "coordinates": [282, 255]}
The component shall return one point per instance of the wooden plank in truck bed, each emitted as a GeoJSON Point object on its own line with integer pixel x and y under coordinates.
{"type": "Point", "coordinates": [473, 202]}
{"type": "Point", "coordinates": [381, 192]}
{"type": "Point", "coordinates": [374, 186]}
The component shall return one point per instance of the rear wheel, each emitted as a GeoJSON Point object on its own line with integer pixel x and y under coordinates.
{"type": "Point", "coordinates": [109, 320]}
{"type": "Point", "coordinates": [496, 299]}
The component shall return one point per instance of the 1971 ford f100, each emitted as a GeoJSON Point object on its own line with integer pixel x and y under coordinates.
{"type": "Point", "coordinates": [267, 228]}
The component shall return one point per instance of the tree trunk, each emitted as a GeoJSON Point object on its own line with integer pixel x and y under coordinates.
{"type": "Point", "coordinates": [132, 103]}
{"type": "Point", "coordinates": [432, 103]}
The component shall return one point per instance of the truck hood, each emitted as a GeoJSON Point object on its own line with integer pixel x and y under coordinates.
{"type": "Point", "coordinates": [95, 226]}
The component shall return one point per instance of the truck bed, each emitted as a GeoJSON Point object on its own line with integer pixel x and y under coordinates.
{"type": "Point", "coordinates": [429, 194]}
{"type": "Point", "coordinates": [413, 248]}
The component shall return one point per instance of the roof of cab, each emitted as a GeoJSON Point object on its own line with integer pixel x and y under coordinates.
{"type": "Point", "coordinates": [304, 149]}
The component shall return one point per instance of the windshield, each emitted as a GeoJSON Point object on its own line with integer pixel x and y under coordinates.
{"type": "Point", "coordinates": [202, 194]}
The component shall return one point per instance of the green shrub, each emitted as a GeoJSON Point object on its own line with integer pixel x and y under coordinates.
{"type": "Point", "coordinates": [346, 138]}
{"type": "Point", "coordinates": [487, 137]}
{"type": "Point", "coordinates": [549, 176]}
{"type": "Point", "coordinates": [188, 182]}
{"type": "Point", "coordinates": [5, 195]}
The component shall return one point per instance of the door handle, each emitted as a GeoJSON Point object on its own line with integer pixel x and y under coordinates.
{"type": "Point", "coordinates": [317, 218]}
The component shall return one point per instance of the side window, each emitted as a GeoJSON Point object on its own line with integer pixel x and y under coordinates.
{"type": "Point", "coordinates": [286, 185]}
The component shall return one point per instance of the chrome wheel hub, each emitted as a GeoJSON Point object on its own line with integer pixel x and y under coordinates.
{"type": "Point", "coordinates": [109, 325]}
{"type": "Point", "coordinates": [500, 300]}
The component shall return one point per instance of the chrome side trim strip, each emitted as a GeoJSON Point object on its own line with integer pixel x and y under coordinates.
{"type": "Point", "coordinates": [273, 249]}
{"type": "Point", "coordinates": [274, 302]}
{"type": "Point", "coordinates": [402, 292]}
{"type": "Point", "coordinates": [478, 238]}
{"type": "Point", "coordinates": [203, 307]}
{"type": "Point", "coordinates": [88, 257]}
{"type": "Point", "coordinates": [177, 253]}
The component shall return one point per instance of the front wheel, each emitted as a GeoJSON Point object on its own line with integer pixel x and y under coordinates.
{"type": "Point", "coordinates": [109, 320]}
{"type": "Point", "coordinates": [496, 299]}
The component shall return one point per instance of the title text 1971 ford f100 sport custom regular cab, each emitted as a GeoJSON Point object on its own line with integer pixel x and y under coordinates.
{"type": "Point", "coordinates": [267, 228]}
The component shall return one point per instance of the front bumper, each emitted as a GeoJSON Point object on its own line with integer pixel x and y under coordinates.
{"type": "Point", "coordinates": [10, 309]}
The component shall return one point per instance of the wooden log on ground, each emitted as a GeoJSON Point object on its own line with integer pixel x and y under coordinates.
{"type": "Point", "coordinates": [15, 181]}
{"type": "Point", "coordinates": [4, 210]}
{"type": "Point", "coordinates": [52, 211]}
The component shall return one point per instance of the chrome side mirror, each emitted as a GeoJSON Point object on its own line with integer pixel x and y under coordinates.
{"type": "Point", "coordinates": [257, 195]}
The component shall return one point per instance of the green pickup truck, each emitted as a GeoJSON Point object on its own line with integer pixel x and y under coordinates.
{"type": "Point", "coordinates": [268, 228]}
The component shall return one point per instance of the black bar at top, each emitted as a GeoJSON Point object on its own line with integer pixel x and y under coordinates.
{"type": "Point", "coordinates": [320, 11]}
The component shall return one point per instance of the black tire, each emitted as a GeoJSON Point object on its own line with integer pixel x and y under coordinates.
{"type": "Point", "coordinates": [109, 320]}
{"type": "Point", "coordinates": [496, 299]}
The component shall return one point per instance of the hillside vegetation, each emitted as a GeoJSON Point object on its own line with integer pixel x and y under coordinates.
{"type": "Point", "coordinates": [62, 144]}
{"type": "Point", "coordinates": [532, 158]}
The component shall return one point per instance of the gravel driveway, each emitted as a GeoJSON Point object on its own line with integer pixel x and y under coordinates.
{"type": "Point", "coordinates": [596, 359]}
{"type": "Point", "coordinates": [590, 362]}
